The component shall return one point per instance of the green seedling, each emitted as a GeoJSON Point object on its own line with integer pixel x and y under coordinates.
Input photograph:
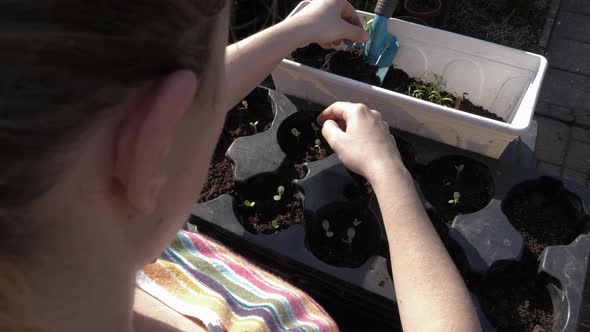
{"type": "Point", "coordinates": [244, 105]}
{"type": "Point", "coordinates": [350, 234]}
{"type": "Point", "coordinates": [295, 132]}
{"type": "Point", "coordinates": [459, 170]}
{"type": "Point", "coordinates": [432, 92]}
{"type": "Point", "coordinates": [275, 224]}
{"type": "Point", "coordinates": [249, 204]}
{"type": "Point", "coordinates": [318, 144]}
{"type": "Point", "coordinates": [280, 192]}
{"type": "Point", "coordinates": [367, 24]}
{"type": "Point", "coordinates": [326, 226]}
{"type": "Point", "coordinates": [356, 222]}
{"type": "Point", "coordinates": [455, 200]}
{"type": "Point", "coordinates": [254, 126]}
{"type": "Point", "coordinates": [315, 128]}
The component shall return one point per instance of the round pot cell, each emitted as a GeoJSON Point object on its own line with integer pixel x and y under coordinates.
{"type": "Point", "coordinates": [251, 116]}
{"type": "Point", "coordinates": [423, 9]}
{"type": "Point", "coordinates": [300, 137]}
{"type": "Point", "coordinates": [344, 234]}
{"type": "Point", "coordinates": [545, 213]}
{"type": "Point", "coordinates": [457, 185]}
{"type": "Point", "coordinates": [268, 203]}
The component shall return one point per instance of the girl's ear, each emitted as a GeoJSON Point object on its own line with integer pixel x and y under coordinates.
{"type": "Point", "coordinates": [145, 136]}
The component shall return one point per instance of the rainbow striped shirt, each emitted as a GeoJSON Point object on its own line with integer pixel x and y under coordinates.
{"type": "Point", "coordinates": [202, 279]}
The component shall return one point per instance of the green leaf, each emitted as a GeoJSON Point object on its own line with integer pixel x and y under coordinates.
{"type": "Point", "coordinates": [326, 225]}
{"type": "Point", "coordinates": [451, 201]}
{"type": "Point", "coordinates": [275, 224]}
{"type": "Point", "coordinates": [318, 143]}
{"type": "Point", "coordinates": [329, 234]}
{"type": "Point", "coordinates": [357, 222]}
{"type": "Point", "coordinates": [277, 198]}
{"type": "Point", "coordinates": [456, 195]}
{"type": "Point", "coordinates": [281, 190]}
{"type": "Point", "coordinates": [244, 104]}
{"type": "Point", "coordinates": [351, 233]}
{"type": "Point", "coordinates": [295, 132]}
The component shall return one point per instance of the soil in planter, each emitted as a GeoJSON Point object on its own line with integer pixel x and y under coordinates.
{"type": "Point", "coordinates": [545, 213]}
{"type": "Point", "coordinates": [297, 137]}
{"type": "Point", "coordinates": [250, 118]}
{"type": "Point", "coordinates": [422, 6]}
{"type": "Point", "coordinates": [351, 235]}
{"type": "Point", "coordinates": [457, 185]}
{"type": "Point", "coordinates": [352, 65]}
{"type": "Point", "coordinates": [269, 215]}
{"type": "Point", "coordinates": [399, 81]}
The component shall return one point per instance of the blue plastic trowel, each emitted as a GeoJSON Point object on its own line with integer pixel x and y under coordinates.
{"type": "Point", "coordinates": [382, 46]}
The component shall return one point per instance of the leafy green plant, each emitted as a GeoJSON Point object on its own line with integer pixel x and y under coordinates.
{"type": "Point", "coordinates": [350, 234]}
{"type": "Point", "coordinates": [455, 200]}
{"type": "Point", "coordinates": [459, 169]}
{"type": "Point", "coordinates": [254, 126]}
{"type": "Point", "coordinates": [275, 224]}
{"type": "Point", "coordinates": [367, 24]}
{"type": "Point", "coordinates": [318, 144]}
{"type": "Point", "coordinates": [432, 92]}
{"type": "Point", "coordinates": [295, 132]}
{"type": "Point", "coordinates": [280, 192]}
{"type": "Point", "coordinates": [249, 204]}
{"type": "Point", "coordinates": [244, 105]}
{"type": "Point", "coordinates": [326, 227]}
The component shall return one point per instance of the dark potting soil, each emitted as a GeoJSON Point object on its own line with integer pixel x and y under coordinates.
{"type": "Point", "coordinates": [353, 65]}
{"type": "Point", "coordinates": [334, 245]}
{"type": "Point", "coordinates": [421, 6]}
{"type": "Point", "coordinates": [514, 298]}
{"type": "Point", "coordinates": [253, 117]}
{"type": "Point", "coordinates": [452, 191]}
{"type": "Point", "coordinates": [261, 190]}
{"type": "Point", "coordinates": [545, 213]}
{"type": "Point", "coordinates": [298, 137]}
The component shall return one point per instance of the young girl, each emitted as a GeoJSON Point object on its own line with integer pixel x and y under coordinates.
{"type": "Point", "coordinates": [109, 114]}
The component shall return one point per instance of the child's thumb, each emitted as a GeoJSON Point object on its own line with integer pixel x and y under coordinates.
{"type": "Point", "coordinates": [332, 133]}
{"type": "Point", "coordinates": [354, 33]}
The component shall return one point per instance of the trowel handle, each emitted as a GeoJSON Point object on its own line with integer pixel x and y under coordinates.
{"type": "Point", "coordinates": [385, 8]}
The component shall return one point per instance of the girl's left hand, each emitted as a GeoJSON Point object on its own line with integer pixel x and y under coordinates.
{"type": "Point", "coordinates": [329, 22]}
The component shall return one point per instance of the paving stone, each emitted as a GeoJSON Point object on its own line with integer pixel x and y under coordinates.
{"type": "Point", "coordinates": [576, 6]}
{"type": "Point", "coordinates": [573, 175]}
{"type": "Point", "coordinates": [555, 112]}
{"type": "Point", "coordinates": [578, 157]}
{"type": "Point", "coordinates": [552, 140]}
{"type": "Point", "coordinates": [549, 169]}
{"type": "Point", "coordinates": [581, 134]}
{"type": "Point", "coordinates": [568, 54]}
{"type": "Point", "coordinates": [572, 26]}
{"type": "Point", "coordinates": [568, 90]}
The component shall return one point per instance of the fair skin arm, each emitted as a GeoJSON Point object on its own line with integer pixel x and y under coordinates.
{"type": "Point", "coordinates": [249, 61]}
{"type": "Point", "coordinates": [430, 292]}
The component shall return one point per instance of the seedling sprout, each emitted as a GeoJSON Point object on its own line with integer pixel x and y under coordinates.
{"type": "Point", "coordinates": [249, 204]}
{"type": "Point", "coordinates": [356, 222]}
{"type": "Point", "coordinates": [280, 192]}
{"type": "Point", "coordinates": [295, 132]}
{"type": "Point", "coordinates": [318, 144]}
{"type": "Point", "coordinates": [326, 226]}
{"type": "Point", "coordinates": [459, 170]}
{"type": "Point", "coordinates": [350, 234]}
{"type": "Point", "coordinates": [254, 126]}
{"type": "Point", "coordinates": [275, 224]}
{"type": "Point", "coordinates": [455, 200]}
{"type": "Point", "coordinates": [244, 105]}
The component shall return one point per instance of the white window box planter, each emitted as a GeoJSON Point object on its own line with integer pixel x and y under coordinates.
{"type": "Point", "coordinates": [503, 80]}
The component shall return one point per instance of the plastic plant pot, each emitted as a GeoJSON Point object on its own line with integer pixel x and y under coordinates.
{"type": "Point", "coordinates": [503, 80]}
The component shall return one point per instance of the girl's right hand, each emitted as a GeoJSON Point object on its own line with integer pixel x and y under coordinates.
{"type": "Point", "coordinates": [361, 139]}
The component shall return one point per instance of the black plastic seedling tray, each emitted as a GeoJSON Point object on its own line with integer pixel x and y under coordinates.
{"type": "Point", "coordinates": [357, 287]}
